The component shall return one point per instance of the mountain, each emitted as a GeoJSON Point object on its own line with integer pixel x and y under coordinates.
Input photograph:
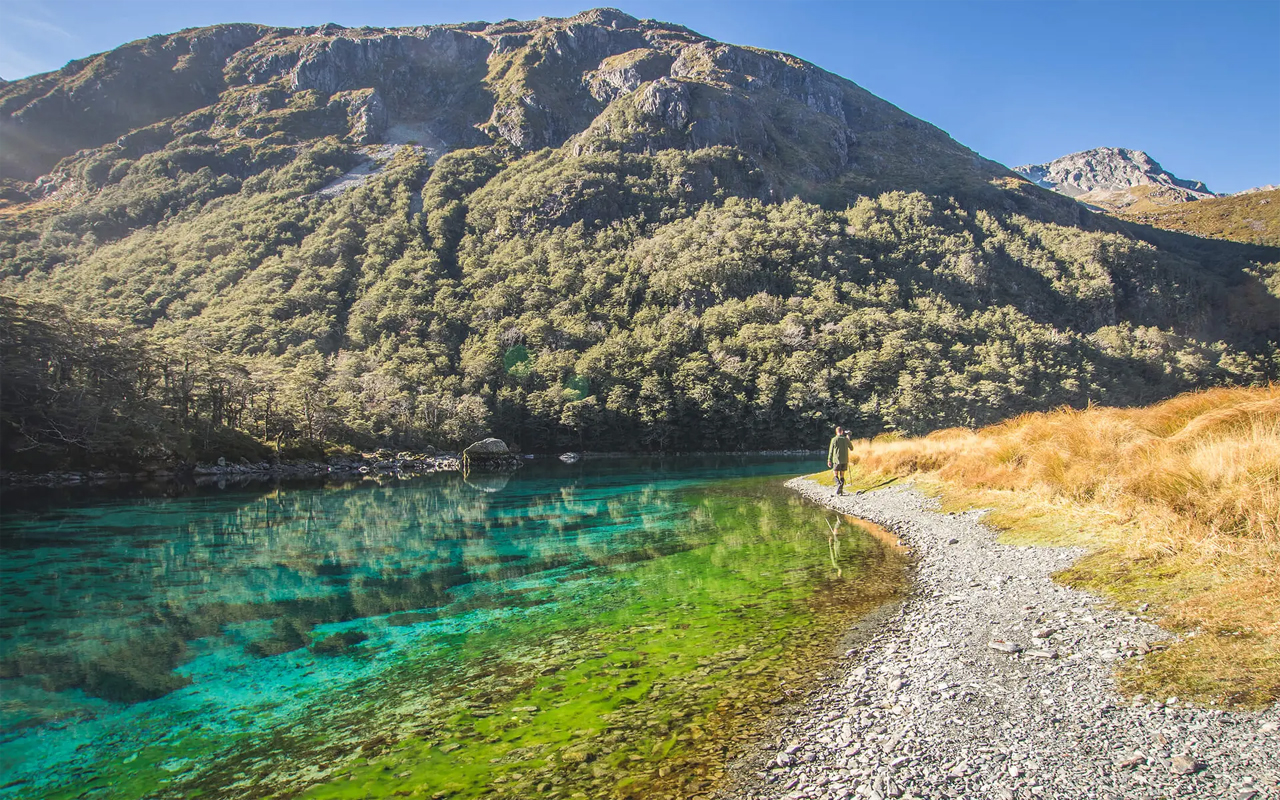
{"type": "Point", "coordinates": [1114, 179]}
{"type": "Point", "coordinates": [518, 85]}
{"type": "Point", "coordinates": [1131, 184]}
{"type": "Point", "coordinates": [595, 232]}
{"type": "Point", "coordinates": [91, 101]}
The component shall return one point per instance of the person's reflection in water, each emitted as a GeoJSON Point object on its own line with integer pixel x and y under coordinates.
{"type": "Point", "coordinates": [833, 544]}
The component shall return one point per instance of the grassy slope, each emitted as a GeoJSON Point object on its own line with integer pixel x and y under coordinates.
{"type": "Point", "coordinates": [1134, 201]}
{"type": "Point", "coordinates": [1179, 502]}
{"type": "Point", "coordinates": [1252, 218]}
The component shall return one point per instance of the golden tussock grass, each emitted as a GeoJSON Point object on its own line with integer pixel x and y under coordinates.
{"type": "Point", "coordinates": [1179, 503]}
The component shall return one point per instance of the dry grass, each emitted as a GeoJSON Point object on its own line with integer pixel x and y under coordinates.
{"type": "Point", "coordinates": [1180, 503]}
{"type": "Point", "coordinates": [1253, 218]}
{"type": "Point", "coordinates": [14, 212]}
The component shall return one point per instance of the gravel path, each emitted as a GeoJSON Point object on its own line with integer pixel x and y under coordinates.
{"type": "Point", "coordinates": [927, 707]}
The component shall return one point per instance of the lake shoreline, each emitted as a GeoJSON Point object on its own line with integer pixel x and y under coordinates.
{"type": "Point", "coordinates": [933, 704]}
{"type": "Point", "coordinates": [353, 467]}
{"type": "Point", "coordinates": [211, 474]}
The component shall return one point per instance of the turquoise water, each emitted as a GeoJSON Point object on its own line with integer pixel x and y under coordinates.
{"type": "Point", "coordinates": [566, 631]}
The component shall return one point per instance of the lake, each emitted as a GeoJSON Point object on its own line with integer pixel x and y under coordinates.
{"type": "Point", "coordinates": [614, 628]}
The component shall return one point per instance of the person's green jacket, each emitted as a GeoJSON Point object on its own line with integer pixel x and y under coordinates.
{"type": "Point", "coordinates": [838, 450]}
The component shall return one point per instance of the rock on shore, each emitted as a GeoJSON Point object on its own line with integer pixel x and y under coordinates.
{"type": "Point", "coordinates": [995, 682]}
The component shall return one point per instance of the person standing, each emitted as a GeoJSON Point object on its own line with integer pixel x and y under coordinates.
{"type": "Point", "coordinates": [838, 457]}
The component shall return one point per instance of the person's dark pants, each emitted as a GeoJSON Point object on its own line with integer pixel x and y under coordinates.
{"type": "Point", "coordinates": [839, 473]}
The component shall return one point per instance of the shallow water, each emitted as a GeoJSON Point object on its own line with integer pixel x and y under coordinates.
{"type": "Point", "coordinates": [607, 629]}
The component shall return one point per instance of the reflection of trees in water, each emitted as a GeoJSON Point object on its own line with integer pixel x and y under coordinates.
{"type": "Point", "coordinates": [750, 564]}
{"type": "Point", "coordinates": [152, 576]}
{"type": "Point", "coordinates": [716, 594]}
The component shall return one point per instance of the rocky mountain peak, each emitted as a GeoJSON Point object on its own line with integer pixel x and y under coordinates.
{"type": "Point", "coordinates": [1114, 178]}
{"type": "Point", "coordinates": [607, 18]}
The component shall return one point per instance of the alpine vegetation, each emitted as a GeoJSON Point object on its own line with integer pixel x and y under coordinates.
{"type": "Point", "coordinates": [592, 233]}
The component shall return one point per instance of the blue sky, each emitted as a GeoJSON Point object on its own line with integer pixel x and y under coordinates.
{"type": "Point", "coordinates": [1195, 84]}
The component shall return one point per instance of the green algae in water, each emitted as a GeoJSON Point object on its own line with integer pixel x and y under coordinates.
{"type": "Point", "coordinates": [600, 631]}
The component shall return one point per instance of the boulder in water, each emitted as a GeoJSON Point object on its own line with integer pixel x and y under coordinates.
{"type": "Point", "coordinates": [490, 454]}
{"type": "Point", "coordinates": [487, 448]}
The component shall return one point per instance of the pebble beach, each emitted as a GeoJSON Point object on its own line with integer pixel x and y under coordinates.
{"type": "Point", "coordinates": [993, 681]}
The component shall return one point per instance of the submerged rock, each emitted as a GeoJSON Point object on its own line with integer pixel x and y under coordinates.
{"type": "Point", "coordinates": [338, 643]}
{"type": "Point", "coordinates": [489, 454]}
{"type": "Point", "coordinates": [286, 635]}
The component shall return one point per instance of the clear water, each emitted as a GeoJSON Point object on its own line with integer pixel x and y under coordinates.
{"type": "Point", "coordinates": [607, 629]}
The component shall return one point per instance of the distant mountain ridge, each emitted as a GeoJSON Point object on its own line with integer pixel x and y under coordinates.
{"type": "Point", "coordinates": [1114, 178]}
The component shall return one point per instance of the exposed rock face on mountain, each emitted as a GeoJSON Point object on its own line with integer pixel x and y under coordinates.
{"type": "Point", "coordinates": [1113, 178]}
{"type": "Point", "coordinates": [602, 81]}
